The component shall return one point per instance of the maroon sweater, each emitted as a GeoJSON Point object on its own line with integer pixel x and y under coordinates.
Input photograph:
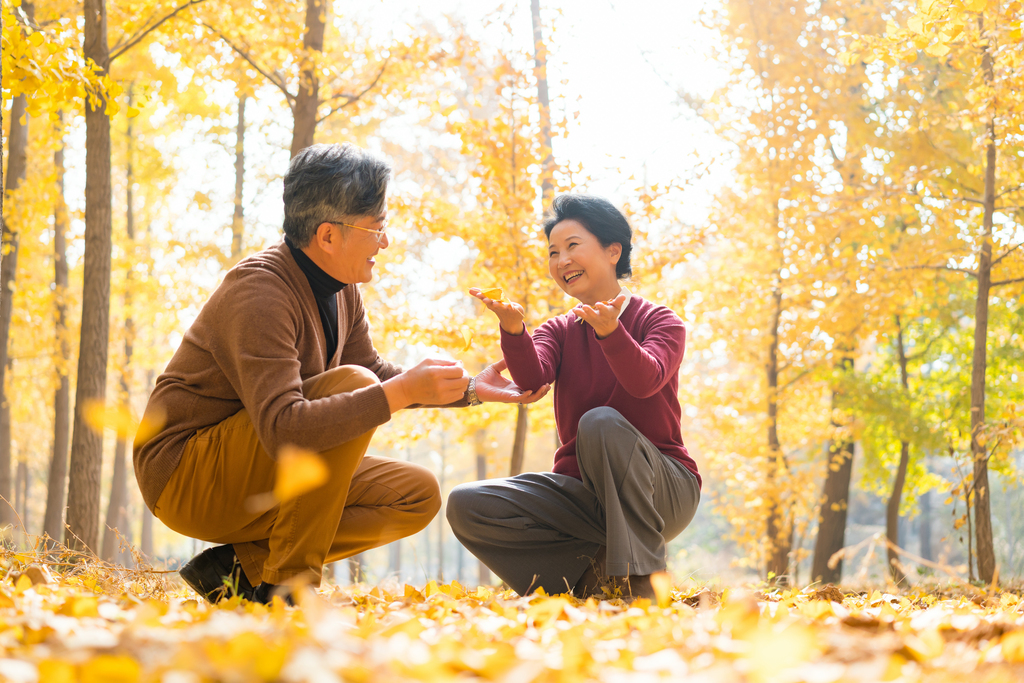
{"type": "Point", "coordinates": [634, 370]}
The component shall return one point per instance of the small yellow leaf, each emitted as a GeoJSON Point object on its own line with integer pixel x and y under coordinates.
{"type": "Point", "coordinates": [56, 671]}
{"type": "Point", "coordinates": [937, 50]}
{"type": "Point", "coordinates": [976, 5]}
{"type": "Point", "coordinates": [36, 39]}
{"type": "Point", "coordinates": [298, 471]}
{"type": "Point", "coordinates": [494, 294]}
{"type": "Point", "coordinates": [467, 337]}
{"type": "Point", "coordinates": [916, 23]}
{"type": "Point", "coordinates": [111, 669]}
{"type": "Point", "coordinates": [100, 416]}
{"type": "Point", "coordinates": [1012, 646]}
{"type": "Point", "coordinates": [133, 112]}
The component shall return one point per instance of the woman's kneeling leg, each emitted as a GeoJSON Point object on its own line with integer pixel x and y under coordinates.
{"type": "Point", "coordinates": [535, 530]}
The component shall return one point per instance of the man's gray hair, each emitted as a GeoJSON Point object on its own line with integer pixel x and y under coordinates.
{"type": "Point", "coordinates": [332, 183]}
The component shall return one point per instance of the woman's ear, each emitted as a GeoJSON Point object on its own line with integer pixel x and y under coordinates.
{"type": "Point", "coordinates": [614, 252]}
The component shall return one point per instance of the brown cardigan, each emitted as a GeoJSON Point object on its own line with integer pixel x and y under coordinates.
{"type": "Point", "coordinates": [253, 344]}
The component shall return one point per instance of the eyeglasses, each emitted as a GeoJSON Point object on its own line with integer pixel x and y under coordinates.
{"type": "Point", "coordinates": [379, 233]}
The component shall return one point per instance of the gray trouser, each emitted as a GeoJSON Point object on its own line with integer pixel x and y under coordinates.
{"type": "Point", "coordinates": [541, 529]}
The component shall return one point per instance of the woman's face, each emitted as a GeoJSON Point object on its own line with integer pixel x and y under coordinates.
{"type": "Point", "coordinates": [579, 264]}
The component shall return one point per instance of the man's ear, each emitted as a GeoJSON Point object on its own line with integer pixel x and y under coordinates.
{"type": "Point", "coordinates": [324, 236]}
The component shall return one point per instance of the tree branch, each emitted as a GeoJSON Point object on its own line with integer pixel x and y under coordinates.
{"type": "Point", "coordinates": [245, 55]}
{"type": "Point", "coordinates": [1008, 252]}
{"type": "Point", "coordinates": [131, 42]}
{"type": "Point", "coordinates": [1010, 189]}
{"type": "Point", "coordinates": [1007, 282]}
{"type": "Point", "coordinates": [952, 270]}
{"type": "Point", "coordinates": [349, 99]}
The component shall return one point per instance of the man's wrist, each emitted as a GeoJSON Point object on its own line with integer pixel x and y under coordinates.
{"type": "Point", "coordinates": [471, 397]}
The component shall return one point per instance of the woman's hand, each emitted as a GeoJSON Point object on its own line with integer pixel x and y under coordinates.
{"type": "Point", "coordinates": [492, 387]}
{"type": "Point", "coordinates": [510, 315]}
{"type": "Point", "coordinates": [602, 316]}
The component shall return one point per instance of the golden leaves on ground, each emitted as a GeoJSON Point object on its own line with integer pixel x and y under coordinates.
{"type": "Point", "coordinates": [71, 630]}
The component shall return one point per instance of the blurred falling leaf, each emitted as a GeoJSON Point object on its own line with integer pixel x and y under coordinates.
{"type": "Point", "coordinates": [467, 337]}
{"type": "Point", "coordinates": [100, 416]}
{"type": "Point", "coordinates": [298, 471]}
{"type": "Point", "coordinates": [662, 584]}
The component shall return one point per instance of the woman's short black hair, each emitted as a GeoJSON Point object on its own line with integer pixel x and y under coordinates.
{"type": "Point", "coordinates": [601, 218]}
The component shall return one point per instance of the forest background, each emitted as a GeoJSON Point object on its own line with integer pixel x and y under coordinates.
{"type": "Point", "coordinates": [828, 193]}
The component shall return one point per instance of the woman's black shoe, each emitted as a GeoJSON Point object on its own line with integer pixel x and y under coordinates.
{"type": "Point", "coordinates": [265, 593]}
{"type": "Point", "coordinates": [216, 574]}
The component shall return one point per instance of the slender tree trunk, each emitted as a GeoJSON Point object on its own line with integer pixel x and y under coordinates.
{"type": "Point", "coordinates": [778, 536]}
{"type": "Point", "coordinates": [21, 494]}
{"type": "Point", "coordinates": [117, 514]}
{"type": "Point", "coordinates": [892, 512]}
{"type": "Point", "coordinates": [440, 514]}
{"type": "Point", "coordinates": [355, 568]}
{"type": "Point", "coordinates": [308, 99]}
{"type": "Point", "coordinates": [924, 531]}
{"type": "Point", "coordinates": [835, 500]}
{"type": "Point", "coordinates": [237, 222]}
{"type": "Point", "coordinates": [87, 443]}
{"type": "Point", "coordinates": [17, 165]}
{"type": "Point", "coordinates": [480, 439]}
{"type": "Point", "coordinates": [395, 560]}
{"type": "Point", "coordinates": [540, 55]}
{"type": "Point", "coordinates": [982, 511]}
{"type": "Point", "coordinates": [519, 445]}
{"type": "Point", "coordinates": [146, 540]}
{"type": "Point", "coordinates": [53, 522]}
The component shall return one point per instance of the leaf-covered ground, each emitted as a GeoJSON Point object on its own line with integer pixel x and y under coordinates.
{"type": "Point", "coordinates": [101, 624]}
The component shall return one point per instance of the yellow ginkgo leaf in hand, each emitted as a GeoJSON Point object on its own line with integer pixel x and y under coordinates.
{"type": "Point", "coordinates": [467, 337]}
{"type": "Point", "coordinates": [298, 471]}
{"type": "Point", "coordinates": [494, 294]}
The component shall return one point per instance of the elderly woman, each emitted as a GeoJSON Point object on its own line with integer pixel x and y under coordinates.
{"type": "Point", "coordinates": [622, 484]}
{"type": "Point", "coordinates": [279, 357]}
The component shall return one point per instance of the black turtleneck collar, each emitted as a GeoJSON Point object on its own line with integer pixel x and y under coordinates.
{"type": "Point", "coordinates": [325, 289]}
{"type": "Point", "coordinates": [322, 284]}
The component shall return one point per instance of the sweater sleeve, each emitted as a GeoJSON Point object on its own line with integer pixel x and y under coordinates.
{"type": "Point", "coordinates": [533, 361]}
{"type": "Point", "coordinates": [643, 368]}
{"type": "Point", "coordinates": [257, 350]}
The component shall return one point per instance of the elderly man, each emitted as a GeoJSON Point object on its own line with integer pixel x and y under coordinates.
{"type": "Point", "coordinates": [281, 355]}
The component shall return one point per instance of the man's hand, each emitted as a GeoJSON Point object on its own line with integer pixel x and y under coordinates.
{"type": "Point", "coordinates": [492, 387]}
{"type": "Point", "coordinates": [433, 382]}
{"type": "Point", "coordinates": [510, 315]}
{"type": "Point", "coordinates": [602, 316]}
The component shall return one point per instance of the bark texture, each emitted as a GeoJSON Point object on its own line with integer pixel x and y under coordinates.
{"type": "Point", "coordinates": [53, 522]}
{"type": "Point", "coordinates": [87, 443]}
{"type": "Point", "coordinates": [779, 535]}
{"type": "Point", "coordinates": [307, 100]}
{"type": "Point", "coordinates": [17, 164]}
{"type": "Point", "coordinates": [834, 502]}
{"type": "Point", "coordinates": [892, 511]}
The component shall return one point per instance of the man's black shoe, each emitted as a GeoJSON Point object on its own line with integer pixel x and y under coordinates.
{"type": "Point", "coordinates": [216, 574]}
{"type": "Point", "coordinates": [265, 593]}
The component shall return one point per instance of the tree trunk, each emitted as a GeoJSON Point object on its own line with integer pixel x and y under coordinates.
{"type": "Point", "coordinates": [17, 164]}
{"type": "Point", "coordinates": [395, 560]}
{"type": "Point", "coordinates": [519, 445]}
{"type": "Point", "coordinates": [308, 98]}
{"type": "Point", "coordinates": [53, 522]}
{"type": "Point", "coordinates": [480, 438]}
{"type": "Point", "coordinates": [146, 540]}
{"type": "Point", "coordinates": [778, 536]}
{"type": "Point", "coordinates": [982, 511]}
{"type": "Point", "coordinates": [117, 517]}
{"type": "Point", "coordinates": [924, 531]}
{"type": "Point", "coordinates": [540, 55]}
{"type": "Point", "coordinates": [892, 511]}
{"type": "Point", "coordinates": [355, 569]}
{"type": "Point", "coordinates": [87, 443]}
{"type": "Point", "coordinates": [237, 223]}
{"type": "Point", "coordinates": [21, 494]}
{"type": "Point", "coordinates": [834, 503]}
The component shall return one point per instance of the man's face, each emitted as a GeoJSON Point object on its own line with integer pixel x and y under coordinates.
{"type": "Point", "coordinates": [353, 248]}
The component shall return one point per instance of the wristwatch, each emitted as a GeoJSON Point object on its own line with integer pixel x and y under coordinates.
{"type": "Point", "coordinates": [471, 397]}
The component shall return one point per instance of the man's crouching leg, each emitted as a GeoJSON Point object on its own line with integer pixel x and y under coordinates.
{"type": "Point", "coordinates": [224, 469]}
